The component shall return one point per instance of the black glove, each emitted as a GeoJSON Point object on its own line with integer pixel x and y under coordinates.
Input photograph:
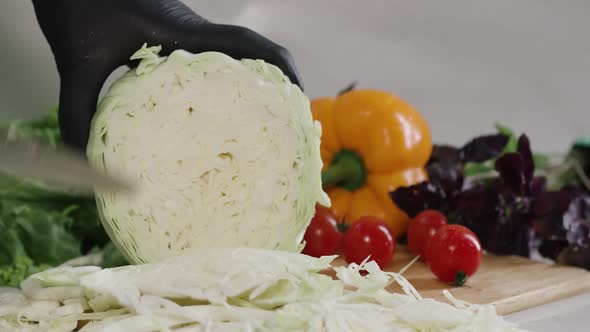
{"type": "Point", "coordinates": [91, 38]}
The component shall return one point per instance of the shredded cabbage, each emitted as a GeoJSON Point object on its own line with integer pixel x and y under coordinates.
{"type": "Point", "coordinates": [235, 290]}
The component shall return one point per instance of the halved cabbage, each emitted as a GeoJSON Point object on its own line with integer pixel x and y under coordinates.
{"type": "Point", "coordinates": [225, 154]}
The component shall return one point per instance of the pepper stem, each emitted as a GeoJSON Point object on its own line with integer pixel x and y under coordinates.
{"type": "Point", "coordinates": [347, 171]}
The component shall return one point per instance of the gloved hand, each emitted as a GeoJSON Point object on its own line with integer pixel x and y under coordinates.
{"type": "Point", "coordinates": [91, 38]}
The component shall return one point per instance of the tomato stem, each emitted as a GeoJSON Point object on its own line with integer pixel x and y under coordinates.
{"type": "Point", "coordinates": [460, 278]}
{"type": "Point", "coordinates": [343, 226]}
{"type": "Point", "coordinates": [346, 171]}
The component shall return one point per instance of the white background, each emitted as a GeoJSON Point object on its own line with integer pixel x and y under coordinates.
{"type": "Point", "coordinates": [464, 64]}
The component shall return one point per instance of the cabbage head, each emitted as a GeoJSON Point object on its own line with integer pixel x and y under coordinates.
{"type": "Point", "coordinates": [224, 153]}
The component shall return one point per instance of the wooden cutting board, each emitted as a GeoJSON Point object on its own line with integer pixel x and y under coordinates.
{"type": "Point", "coordinates": [509, 283]}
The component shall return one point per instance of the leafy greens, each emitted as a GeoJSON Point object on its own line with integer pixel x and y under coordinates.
{"type": "Point", "coordinates": [40, 226]}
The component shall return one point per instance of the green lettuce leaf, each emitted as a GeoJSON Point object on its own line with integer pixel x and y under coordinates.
{"type": "Point", "coordinates": [23, 267]}
{"type": "Point", "coordinates": [41, 226]}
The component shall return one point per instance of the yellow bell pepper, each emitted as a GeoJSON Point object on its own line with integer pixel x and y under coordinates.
{"type": "Point", "coordinates": [372, 143]}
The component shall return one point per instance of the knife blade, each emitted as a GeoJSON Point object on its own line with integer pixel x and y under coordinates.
{"type": "Point", "coordinates": [63, 167]}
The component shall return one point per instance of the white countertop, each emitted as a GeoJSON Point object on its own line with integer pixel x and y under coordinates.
{"type": "Point", "coordinates": [571, 315]}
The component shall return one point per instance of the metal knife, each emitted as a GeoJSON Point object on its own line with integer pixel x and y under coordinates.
{"type": "Point", "coordinates": [61, 167]}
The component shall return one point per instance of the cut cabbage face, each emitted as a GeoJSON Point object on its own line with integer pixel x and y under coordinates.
{"type": "Point", "coordinates": [224, 152]}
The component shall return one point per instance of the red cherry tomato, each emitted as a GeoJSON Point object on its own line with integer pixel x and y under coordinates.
{"type": "Point", "coordinates": [422, 229]}
{"type": "Point", "coordinates": [368, 236]}
{"type": "Point", "coordinates": [322, 237]}
{"type": "Point", "coordinates": [452, 252]}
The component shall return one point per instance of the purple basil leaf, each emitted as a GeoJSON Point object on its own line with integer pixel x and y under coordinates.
{"type": "Point", "coordinates": [576, 221]}
{"type": "Point", "coordinates": [419, 197]}
{"type": "Point", "coordinates": [512, 233]}
{"type": "Point", "coordinates": [547, 213]}
{"type": "Point", "coordinates": [549, 227]}
{"type": "Point", "coordinates": [574, 190]}
{"type": "Point", "coordinates": [551, 202]}
{"type": "Point", "coordinates": [538, 186]}
{"type": "Point", "coordinates": [552, 248]}
{"type": "Point", "coordinates": [524, 149]}
{"type": "Point", "coordinates": [476, 203]}
{"type": "Point", "coordinates": [448, 176]}
{"type": "Point", "coordinates": [483, 148]}
{"type": "Point", "coordinates": [500, 222]}
{"type": "Point", "coordinates": [575, 255]}
{"type": "Point", "coordinates": [445, 168]}
{"type": "Point", "coordinates": [511, 169]}
{"type": "Point", "coordinates": [445, 153]}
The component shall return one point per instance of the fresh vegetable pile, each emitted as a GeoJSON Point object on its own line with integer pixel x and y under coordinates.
{"type": "Point", "coordinates": [515, 201]}
{"type": "Point", "coordinates": [227, 158]}
{"type": "Point", "coordinates": [234, 290]}
{"type": "Point", "coordinates": [41, 226]}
